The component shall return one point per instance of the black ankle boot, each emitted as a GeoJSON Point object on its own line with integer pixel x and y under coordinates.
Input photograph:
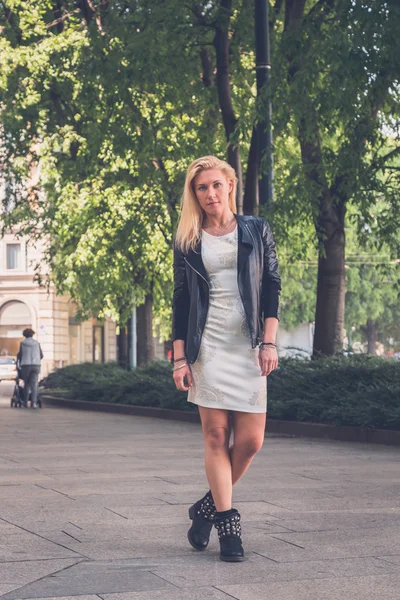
{"type": "Point", "coordinates": [202, 514]}
{"type": "Point", "coordinates": [229, 530]}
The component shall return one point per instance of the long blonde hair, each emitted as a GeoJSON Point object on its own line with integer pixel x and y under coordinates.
{"type": "Point", "coordinates": [188, 232]}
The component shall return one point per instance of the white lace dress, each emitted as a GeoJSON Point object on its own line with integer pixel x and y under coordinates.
{"type": "Point", "coordinates": [226, 373]}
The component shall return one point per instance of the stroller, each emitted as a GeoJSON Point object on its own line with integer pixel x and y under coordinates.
{"type": "Point", "coordinates": [17, 398]}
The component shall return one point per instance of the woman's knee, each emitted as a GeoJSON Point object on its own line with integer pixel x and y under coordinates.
{"type": "Point", "coordinates": [217, 438]}
{"type": "Point", "coordinates": [249, 446]}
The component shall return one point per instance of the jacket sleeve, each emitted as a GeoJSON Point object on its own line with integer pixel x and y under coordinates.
{"type": "Point", "coordinates": [41, 352]}
{"type": "Point", "coordinates": [181, 298]}
{"type": "Point", "coordinates": [271, 284]}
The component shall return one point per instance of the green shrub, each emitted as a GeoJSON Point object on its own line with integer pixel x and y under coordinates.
{"type": "Point", "coordinates": [150, 386]}
{"type": "Point", "coordinates": [360, 391]}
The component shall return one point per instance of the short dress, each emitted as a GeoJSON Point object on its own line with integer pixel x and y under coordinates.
{"type": "Point", "coordinates": [226, 373]}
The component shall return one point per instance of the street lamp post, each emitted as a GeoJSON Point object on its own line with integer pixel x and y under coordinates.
{"type": "Point", "coordinates": [264, 132]}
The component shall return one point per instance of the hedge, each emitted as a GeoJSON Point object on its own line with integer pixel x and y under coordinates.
{"type": "Point", "coordinates": [359, 390]}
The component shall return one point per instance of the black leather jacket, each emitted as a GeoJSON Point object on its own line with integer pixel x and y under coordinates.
{"type": "Point", "coordinates": [258, 281]}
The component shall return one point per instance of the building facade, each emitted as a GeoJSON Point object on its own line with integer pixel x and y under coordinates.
{"type": "Point", "coordinates": [23, 303]}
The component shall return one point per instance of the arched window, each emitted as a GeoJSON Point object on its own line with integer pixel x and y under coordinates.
{"type": "Point", "coordinates": [15, 313]}
{"type": "Point", "coordinates": [14, 317]}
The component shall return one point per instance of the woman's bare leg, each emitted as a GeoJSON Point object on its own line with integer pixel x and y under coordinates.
{"type": "Point", "coordinates": [225, 465]}
{"type": "Point", "coordinates": [216, 431]}
{"type": "Point", "coordinates": [248, 438]}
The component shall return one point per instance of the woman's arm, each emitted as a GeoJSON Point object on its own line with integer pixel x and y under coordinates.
{"type": "Point", "coordinates": [271, 289]}
{"type": "Point", "coordinates": [181, 298]}
{"type": "Point", "coordinates": [270, 329]}
{"type": "Point", "coordinates": [180, 317]}
{"type": "Point", "coordinates": [271, 284]}
{"type": "Point", "coordinates": [268, 356]}
{"type": "Point", "coordinates": [179, 348]}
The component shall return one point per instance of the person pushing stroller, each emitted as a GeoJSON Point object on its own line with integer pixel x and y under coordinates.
{"type": "Point", "coordinates": [29, 360]}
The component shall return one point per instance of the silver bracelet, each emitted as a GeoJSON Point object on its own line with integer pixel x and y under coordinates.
{"type": "Point", "coordinates": [265, 345]}
{"type": "Point", "coordinates": [180, 367]}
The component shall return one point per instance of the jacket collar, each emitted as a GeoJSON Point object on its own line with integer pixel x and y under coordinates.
{"type": "Point", "coordinates": [245, 241]}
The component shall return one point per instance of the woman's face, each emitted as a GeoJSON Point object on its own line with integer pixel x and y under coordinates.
{"type": "Point", "coordinates": [212, 191]}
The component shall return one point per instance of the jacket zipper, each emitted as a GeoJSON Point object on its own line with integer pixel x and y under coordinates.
{"type": "Point", "coordinates": [195, 270]}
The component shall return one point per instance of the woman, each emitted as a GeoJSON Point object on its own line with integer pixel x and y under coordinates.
{"type": "Point", "coordinates": [226, 301]}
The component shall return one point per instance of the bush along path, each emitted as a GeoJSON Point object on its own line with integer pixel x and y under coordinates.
{"type": "Point", "coordinates": [358, 391]}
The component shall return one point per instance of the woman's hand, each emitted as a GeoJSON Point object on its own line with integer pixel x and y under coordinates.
{"type": "Point", "coordinates": [179, 377]}
{"type": "Point", "coordinates": [268, 360]}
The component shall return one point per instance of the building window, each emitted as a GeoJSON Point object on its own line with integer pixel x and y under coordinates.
{"type": "Point", "coordinates": [98, 343]}
{"type": "Point", "coordinates": [13, 256]}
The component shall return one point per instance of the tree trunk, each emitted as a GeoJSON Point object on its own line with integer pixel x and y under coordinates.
{"type": "Point", "coordinates": [221, 44]}
{"type": "Point", "coordinates": [329, 314]}
{"type": "Point", "coordinates": [371, 336]}
{"type": "Point", "coordinates": [144, 332]}
{"type": "Point", "coordinates": [250, 200]}
{"type": "Point", "coordinates": [329, 222]}
{"type": "Point", "coordinates": [57, 11]}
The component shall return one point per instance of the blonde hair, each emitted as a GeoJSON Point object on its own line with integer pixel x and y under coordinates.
{"type": "Point", "coordinates": [188, 232]}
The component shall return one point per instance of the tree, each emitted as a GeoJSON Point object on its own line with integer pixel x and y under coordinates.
{"type": "Point", "coordinates": [89, 101]}
{"type": "Point", "coordinates": [342, 78]}
{"type": "Point", "coordinates": [114, 99]}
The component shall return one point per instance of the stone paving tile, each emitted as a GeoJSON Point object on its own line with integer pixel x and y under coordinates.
{"type": "Point", "coordinates": [112, 491]}
{"type": "Point", "coordinates": [26, 478]}
{"type": "Point", "coordinates": [104, 488]}
{"type": "Point", "coordinates": [24, 545]}
{"type": "Point", "coordinates": [71, 598]}
{"type": "Point", "coordinates": [339, 520]}
{"type": "Point", "coordinates": [25, 571]}
{"type": "Point", "coordinates": [165, 594]}
{"type": "Point", "coordinates": [89, 578]}
{"type": "Point", "coordinates": [316, 501]}
{"type": "Point", "coordinates": [352, 588]}
{"type": "Point", "coordinates": [126, 538]}
{"type": "Point", "coordinates": [391, 559]}
{"type": "Point", "coordinates": [258, 570]}
{"type": "Point", "coordinates": [330, 544]}
{"type": "Point", "coordinates": [202, 593]}
{"type": "Point", "coordinates": [4, 588]}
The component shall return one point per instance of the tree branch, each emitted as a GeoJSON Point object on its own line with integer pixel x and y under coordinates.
{"type": "Point", "coordinates": [61, 19]}
{"type": "Point", "coordinates": [320, 11]}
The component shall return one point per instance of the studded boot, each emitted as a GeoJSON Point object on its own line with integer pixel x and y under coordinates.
{"type": "Point", "coordinates": [227, 524]}
{"type": "Point", "coordinates": [202, 514]}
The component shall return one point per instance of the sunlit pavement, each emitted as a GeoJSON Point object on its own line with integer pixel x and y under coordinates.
{"type": "Point", "coordinates": [94, 505]}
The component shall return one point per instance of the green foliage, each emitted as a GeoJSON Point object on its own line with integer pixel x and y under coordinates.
{"type": "Point", "coordinates": [110, 123]}
{"type": "Point", "coordinates": [150, 386]}
{"type": "Point", "coordinates": [372, 288]}
{"type": "Point", "coordinates": [109, 101]}
{"type": "Point", "coordinates": [372, 294]}
{"type": "Point", "coordinates": [358, 390]}
{"type": "Point", "coordinates": [299, 282]}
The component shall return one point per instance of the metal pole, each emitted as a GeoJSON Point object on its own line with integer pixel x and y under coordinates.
{"type": "Point", "coordinates": [133, 341]}
{"type": "Point", "coordinates": [264, 132]}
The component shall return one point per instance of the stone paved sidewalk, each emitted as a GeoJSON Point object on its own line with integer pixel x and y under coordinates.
{"type": "Point", "coordinates": [94, 506]}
